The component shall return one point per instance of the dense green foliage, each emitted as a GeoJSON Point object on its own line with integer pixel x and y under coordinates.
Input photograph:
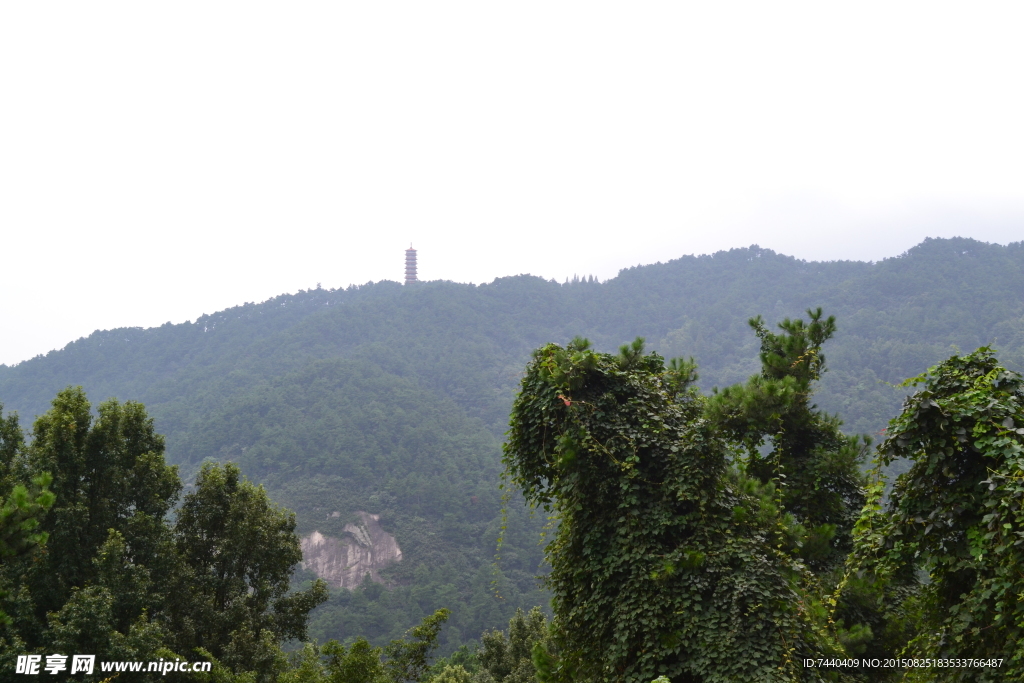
{"type": "Point", "coordinates": [113, 577]}
{"type": "Point", "coordinates": [957, 515]}
{"type": "Point", "coordinates": [676, 556]}
{"type": "Point", "coordinates": [212, 585]}
{"type": "Point", "coordinates": [666, 560]}
{"type": "Point", "coordinates": [20, 507]}
{"type": "Point", "coordinates": [111, 486]}
{"type": "Point", "coordinates": [509, 658]}
{"type": "Point", "coordinates": [393, 400]}
{"type": "Point", "coordinates": [401, 661]}
{"type": "Point", "coordinates": [501, 656]}
{"type": "Point", "coordinates": [22, 503]}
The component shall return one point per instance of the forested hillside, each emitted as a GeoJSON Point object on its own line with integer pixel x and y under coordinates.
{"type": "Point", "coordinates": [393, 400]}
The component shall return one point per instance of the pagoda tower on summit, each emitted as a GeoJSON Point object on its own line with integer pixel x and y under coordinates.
{"type": "Point", "coordinates": [410, 265]}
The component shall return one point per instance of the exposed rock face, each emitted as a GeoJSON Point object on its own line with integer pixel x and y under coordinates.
{"type": "Point", "coordinates": [343, 562]}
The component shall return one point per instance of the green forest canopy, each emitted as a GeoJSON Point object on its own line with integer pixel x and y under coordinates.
{"type": "Point", "coordinates": [686, 551]}
{"type": "Point", "coordinates": [394, 399]}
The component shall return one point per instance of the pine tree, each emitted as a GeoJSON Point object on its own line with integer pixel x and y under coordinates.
{"type": "Point", "coordinates": [790, 443]}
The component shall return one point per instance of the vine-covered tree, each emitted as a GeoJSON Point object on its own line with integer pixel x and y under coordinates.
{"type": "Point", "coordinates": [666, 561]}
{"type": "Point", "coordinates": [957, 515]}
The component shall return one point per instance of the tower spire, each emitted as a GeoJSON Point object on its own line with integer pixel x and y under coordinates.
{"type": "Point", "coordinates": [410, 264]}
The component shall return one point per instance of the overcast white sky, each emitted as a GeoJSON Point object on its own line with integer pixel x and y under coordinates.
{"type": "Point", "coordinates": [159, 161]}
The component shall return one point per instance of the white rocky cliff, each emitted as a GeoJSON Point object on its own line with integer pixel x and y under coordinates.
{"type": "Point", "coordinates": [343, 562]}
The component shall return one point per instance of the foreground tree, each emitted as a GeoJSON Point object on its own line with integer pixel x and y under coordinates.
{"type": "Point", "coordinates": [957, 515]}
{"type": "Point", "coordinates": [237, 553]}
{"type": "Point", "coordinates": [788, 442]}
{"type": "Point", "coordinates": [24, 500]}
{"type": "Point", "coordinates": [24, 495]}
{"type": "Point", "coordinates": [101, 575]}
{"type": "Point", "coordinates": [816, 467]}
{"type": "Point", "coordinates": [666, 561]}
{"type": "Point", "coordinates": [509, 658]}
{"type": "Point", "coordinates": [115, 578]}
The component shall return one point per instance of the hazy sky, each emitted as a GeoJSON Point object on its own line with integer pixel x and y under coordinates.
{"type": "Point", "coordinates": [159, 161]}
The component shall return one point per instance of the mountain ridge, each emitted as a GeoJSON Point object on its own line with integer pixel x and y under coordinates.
{"type": "Point", "coordinates": [392, 400]}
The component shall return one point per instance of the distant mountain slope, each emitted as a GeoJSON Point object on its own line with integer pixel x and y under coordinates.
{"type": "Point", "coordinates": [392, 400]}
